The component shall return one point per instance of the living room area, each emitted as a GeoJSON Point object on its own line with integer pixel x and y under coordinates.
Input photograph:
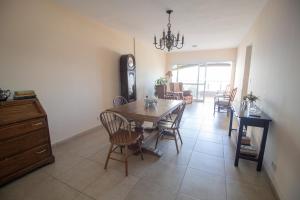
{"type": "Point", "coordinates": [137, 99]}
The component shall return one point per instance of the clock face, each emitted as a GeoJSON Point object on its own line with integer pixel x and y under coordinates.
{"type": "Point", "coordinates": [130, 63]}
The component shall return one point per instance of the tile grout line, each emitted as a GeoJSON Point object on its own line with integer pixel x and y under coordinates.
{"type": "Point", "coordinates": [180, 184]}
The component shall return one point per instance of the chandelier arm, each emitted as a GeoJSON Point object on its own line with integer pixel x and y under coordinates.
{"type": "Point", "coordinates": [179, 47]}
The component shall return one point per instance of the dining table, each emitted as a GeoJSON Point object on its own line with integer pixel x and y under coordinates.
{"type": "Point", "coordinates": [139, 113]}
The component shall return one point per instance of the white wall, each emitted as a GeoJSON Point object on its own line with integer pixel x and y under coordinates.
{"type": "Point", "coordinates": [274, 76]}
{"type": "Point", "coordinates": [70, 61]}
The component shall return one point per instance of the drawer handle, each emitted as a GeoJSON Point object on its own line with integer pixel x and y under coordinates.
{"type": "Point", "coordinates": [42, 151]}
{"type": "Point", "coordinates": [37, 124]}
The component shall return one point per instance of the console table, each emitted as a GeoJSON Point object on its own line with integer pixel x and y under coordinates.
{"type": "Point", "coordinates": [247, 119]}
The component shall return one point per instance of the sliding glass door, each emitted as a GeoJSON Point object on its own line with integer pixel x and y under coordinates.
{"type": "Point", "coordinates": [204, 79]}
{"type": "Point", "coordinates": [193, 78]}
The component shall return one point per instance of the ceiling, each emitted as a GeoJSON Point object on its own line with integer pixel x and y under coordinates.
{"type": "Point", "coordinates": [209, 24]}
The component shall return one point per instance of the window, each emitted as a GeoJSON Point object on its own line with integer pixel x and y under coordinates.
{"type": "Point", "coordinates": [203, 79]}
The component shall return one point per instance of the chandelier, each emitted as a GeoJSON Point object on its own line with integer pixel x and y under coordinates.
{"type": "Point", "coordinates": [169, 40]}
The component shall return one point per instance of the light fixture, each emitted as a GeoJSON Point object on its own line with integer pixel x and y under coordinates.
{"type": "Point", "coordinates": [169, 40]}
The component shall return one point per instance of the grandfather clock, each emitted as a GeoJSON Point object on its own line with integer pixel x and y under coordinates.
{"type": "Point", "coordinates": [128, 77]}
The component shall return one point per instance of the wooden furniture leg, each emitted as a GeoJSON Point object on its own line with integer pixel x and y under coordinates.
{"type": "Point", "coordinates": [230, 122]}
{"type": "Point", "coordinates": [175, 138]}
{"type": "Point", "coordinates": [239, 142]}
{"type": "Point", "coordinates": [126, 161]}
{"type": "Point", "coordinates": [262, 147]}
{"type": "Point", "coordinates": [108, 155]}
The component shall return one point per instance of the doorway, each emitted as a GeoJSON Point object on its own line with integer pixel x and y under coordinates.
{"type": "Point", "coordinates": [203, 79]}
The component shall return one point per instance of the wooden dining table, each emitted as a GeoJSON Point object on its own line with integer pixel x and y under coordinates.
{"type": "Point", "coordinates": [137, 112]}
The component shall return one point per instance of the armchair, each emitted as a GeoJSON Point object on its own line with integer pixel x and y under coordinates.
{"type": "Point", "coordinates": [176, 89]}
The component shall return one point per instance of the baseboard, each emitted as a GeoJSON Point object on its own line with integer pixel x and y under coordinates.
{"type": "Point", "coordinates": [77, 135]}
{"type": "Point", "coordinates": [275, 192]}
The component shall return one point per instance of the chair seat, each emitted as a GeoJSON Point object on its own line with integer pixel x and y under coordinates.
{"type": "Point", "coordinates": [165, 124]}
{"type": "Point", "coordinates": [222, 103]}
{"type": "Point", "coordinates": [122, 137]}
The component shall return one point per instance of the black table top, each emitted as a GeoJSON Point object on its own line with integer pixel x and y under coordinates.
{"type": "Point", "coordinates": [242, 112]}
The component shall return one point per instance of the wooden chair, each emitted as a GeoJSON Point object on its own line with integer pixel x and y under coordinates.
{"type": "Point", "coordinates": [224, 93]}
{"type": "Point", "coordinates": [119, 100]}
{"type": "Point", "coordinates": [170, 129]}
{"type": "Point", "coordinates": [120, 134]}
{"type": "Point", "coordinates": [224, 102]}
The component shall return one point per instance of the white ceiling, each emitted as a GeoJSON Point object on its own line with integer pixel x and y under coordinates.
{"type": "Point", "coordinates": [209, 24]}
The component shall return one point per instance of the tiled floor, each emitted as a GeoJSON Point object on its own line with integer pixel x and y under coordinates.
{"type": "Point", "coordinates": [203, 170]}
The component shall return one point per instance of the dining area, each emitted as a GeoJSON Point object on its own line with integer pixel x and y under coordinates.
{"type": "Point", "coordinates": [124, 123]}
{"type": "Point", "coordinates": [156, 168]}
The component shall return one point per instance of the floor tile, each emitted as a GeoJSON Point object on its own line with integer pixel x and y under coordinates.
{"type": "Point", "coordinates": [112, 185]}
{"type": "Point", "coordinates": [237, 190]}
{"type": "Point", "coordinates": [182, 196]}
{"type": "Point", "coordinates": [210, 137]}
{"type": "Point", "coordinates": [202, 185]}
{"type": "Point", "coordinates": [22, 187]}
{"type": "Point", "coordinates": [210, 148]}
{"type": "Point", "coordinates": [165, 175]}
{"type": "Point", "coordinates": [207, 163]}
{"type": "Point", "coordinates": [148, 190]}
{"type": "Point", "coordinates": [245, 172]}
{"type": "Point", "coordinates": [51, 189]}
{"type": "Point", "coordinates": [81, 174]}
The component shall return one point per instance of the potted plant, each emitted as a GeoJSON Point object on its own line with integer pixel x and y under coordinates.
{"type": "Point", "coordinates": [160, 87]}
{"type": "Point", "coordinates": [250, 98]}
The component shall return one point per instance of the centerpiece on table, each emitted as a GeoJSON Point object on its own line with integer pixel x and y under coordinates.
{"type": "Point", "coordinates": [250, 99]}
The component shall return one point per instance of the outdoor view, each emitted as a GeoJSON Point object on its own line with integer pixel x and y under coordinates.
{"type": "Point", "coordinates": [204, 79]}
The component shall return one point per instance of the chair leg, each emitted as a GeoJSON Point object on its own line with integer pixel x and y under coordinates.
{"type": "Point", "coordinates": [214, 109]}
{"type": "Point", "coordinates": [108, 155]}
{"type": "Point", "coordinates": [126, 161]}
{"type": "Point", "coordinates": [175, 138]}
{"type": "Point", "coordinates": [179, 136]}
{"type": "Point", "coordinates": [158, 136]}
{"type": "Point", "coordinates": [121, 149]}
{"type": "Point", "coordinates": [140, 148]}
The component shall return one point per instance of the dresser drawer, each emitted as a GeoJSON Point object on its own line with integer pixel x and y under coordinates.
{"type": "Point", "coordinates": [18, 129]}
{"type": "Point", "coordinates": [22, 143]}
{"type": "Point", "coordinates": [26, 159]}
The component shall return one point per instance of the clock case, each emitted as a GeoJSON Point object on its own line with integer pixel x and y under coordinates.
{"type": "Point", "coordinates": [128, 77]}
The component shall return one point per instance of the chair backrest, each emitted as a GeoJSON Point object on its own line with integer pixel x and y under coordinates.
{"type": "Point", "coordinates": [232, 94]}
{"type": "Point", "coordinates": [119, 100]}
{"type": "Point", "coordinates": [176, 87]}
{"type": "Point", "coordinates": [177, 120]}
{"type": "Point", "coordinates": [114, 122]}
{"type": "Point", "coordinates": [227, 90]}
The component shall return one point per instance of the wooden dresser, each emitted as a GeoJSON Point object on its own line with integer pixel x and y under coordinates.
{"type": "Point", "coordinates": [24, 138]}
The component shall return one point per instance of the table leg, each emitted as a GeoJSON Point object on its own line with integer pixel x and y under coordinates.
{"type": "Point", "coordinates": [145, 148]}
{"type": "Point", "coordinates": [262, 147]}
{"type": "Point", "coordinates": [239, 142]}
{"type": "Point", "coordinates": [230, 122]}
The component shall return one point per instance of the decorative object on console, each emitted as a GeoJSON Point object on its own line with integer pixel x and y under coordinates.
{"type": "Point", "coordinates": [250, 99]}
{"type": "Point", "coordinates": [169, 40]}
{"type": "Point", "coordinates": [24, 138]}
{"type": "Point", "coordinates": [128, 77]}
{"type": "Point", "coordinates": [27, 94]}
{"type": "Point", "coordinates": [4, 94]}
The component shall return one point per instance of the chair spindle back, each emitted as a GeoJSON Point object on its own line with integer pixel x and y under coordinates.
{"type": "Point", "coordinates": [114, 122]}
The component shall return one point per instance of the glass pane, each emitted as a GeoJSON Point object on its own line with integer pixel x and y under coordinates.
{"type": "Point", "coordinates": [188, 74]}
{"type": "Point", "coordinates": [202, 74]}
{"type": "Point", "coordinates": [201, 92]}
{"type": "Point", "coordinates": [192, 88]}
{"type": "Point", "coordinates": [217, 77]}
